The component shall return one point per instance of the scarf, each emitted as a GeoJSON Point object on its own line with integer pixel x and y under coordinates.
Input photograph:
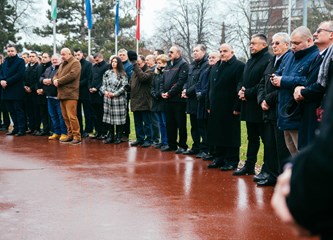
{"type": "Point", "coordinates": [323, 71]}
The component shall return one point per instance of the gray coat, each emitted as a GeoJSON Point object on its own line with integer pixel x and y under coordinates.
{"type": "Point", "coordinates": [115, 107]}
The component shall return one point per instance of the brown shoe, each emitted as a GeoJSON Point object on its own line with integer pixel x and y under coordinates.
{"type": "Point", "coordinates": [54, 137]}
{"type": "Point", "coordinates": [66, 139]}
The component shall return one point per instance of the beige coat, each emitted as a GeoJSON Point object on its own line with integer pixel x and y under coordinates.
{"type": "Point", "coordinates": [68, 76]}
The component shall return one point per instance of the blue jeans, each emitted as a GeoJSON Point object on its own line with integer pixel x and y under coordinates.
{"type": "Point", "coordinates": [162, 124]}
{"type": "Point", "coordinates": [142, 121]}
{"type": "Point", "coordinates": [59, 126]}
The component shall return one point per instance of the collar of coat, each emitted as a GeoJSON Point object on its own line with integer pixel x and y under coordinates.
{"type": "Point", "coordinates": [230, 61]}
{"type": "Point", "coordinates": [201, 61]}
{"type": "Point", "coordinates": [302, 53]}
{"type": "Point", "coordinates": [260, 53]}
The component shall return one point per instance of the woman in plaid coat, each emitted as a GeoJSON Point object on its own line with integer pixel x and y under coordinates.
{"type": "Point", "coordinates": [115, 99]}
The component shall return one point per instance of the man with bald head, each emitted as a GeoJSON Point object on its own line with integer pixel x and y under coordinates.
{"type": "Point", "coordinates": [67, 81]}
{"type": "Point", "coordinates": [174, 78]}
{"type": "Point", "coordinates": [223, 108]}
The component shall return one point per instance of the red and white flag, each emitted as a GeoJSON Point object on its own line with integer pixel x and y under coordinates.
{"type": "Point", "coordinates": [138, 8]}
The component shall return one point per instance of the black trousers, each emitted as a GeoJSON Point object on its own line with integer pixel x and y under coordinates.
{"type": "Point", "coordinates": [227, 155]}
{"type": "Point", "coordinates": [88, 115]}
{"type": "Point", "coordinates": [195, 132]}
{"type": "Point", "coordinates": [202, 126]}
{"type": "Point", "coordinates": [127, 126]}
{"type": "Point", "coordinates": [32, 111]}
{"type": "Point", "coordinates": [98, 117]}
{"type": "Point", "coordinates": [255, 131]}
{"type": "Point", "coordinates": [275, 149]}
{"type": "Point", "coordinates": [44, 114]}
{"type": "Point", "coordinates": [5, 120]}
{"type": "Point", "coordinates": [176, 124]}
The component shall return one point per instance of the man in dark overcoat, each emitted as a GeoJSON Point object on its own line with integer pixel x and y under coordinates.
{"type": "Point", "coordinates": [84, 101]}
{"type": "Point", "coordinates": [251, 112]}
{"type": "Point", "coordinates": [223, 108]}
{"type": "Point", "coordinates": [196, 68]}
{"type": "Point", "coordinates": [12, 83]}
{"type": "Point", "coordinates": [275, 147]}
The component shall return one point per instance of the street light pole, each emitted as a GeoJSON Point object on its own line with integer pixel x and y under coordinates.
{"type": "Point", "coordinates": [305, 12]}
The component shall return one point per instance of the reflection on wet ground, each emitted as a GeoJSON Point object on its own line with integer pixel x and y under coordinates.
{"type": "Point", "coordinates": [58, 191]}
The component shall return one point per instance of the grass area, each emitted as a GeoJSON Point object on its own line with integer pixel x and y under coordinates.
{"type": "Point", "coordinates": [189, 139]}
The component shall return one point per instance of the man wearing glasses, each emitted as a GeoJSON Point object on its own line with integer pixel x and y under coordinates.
{"type": "Point", "coordinates": [174, 77]}
{"type": "Point", "coordinates": [251, 112]}
{"type": "Point", "coordinates": [310, 95]}
{"type": "Point", "coordinates": [267, 98]}
{"type": "Point", "coordinates": [294, 72]}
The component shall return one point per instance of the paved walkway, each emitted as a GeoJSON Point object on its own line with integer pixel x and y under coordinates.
{"type": "Point", "coordinates": [94, 191]}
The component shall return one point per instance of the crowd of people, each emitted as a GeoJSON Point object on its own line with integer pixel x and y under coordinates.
{"type": "Point", "coordinates": [279, 95]}
{"type": "Point", "coordinates": [276, 95]}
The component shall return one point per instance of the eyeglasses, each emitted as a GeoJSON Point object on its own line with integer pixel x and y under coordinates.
{"type": "Point", "coordinates": [319, 30]}
{"type": "Point", "coordinates": [275, 43]}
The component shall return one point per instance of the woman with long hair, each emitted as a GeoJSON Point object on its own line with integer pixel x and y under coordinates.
{"type": "Point", "coordinates": [115, 99]}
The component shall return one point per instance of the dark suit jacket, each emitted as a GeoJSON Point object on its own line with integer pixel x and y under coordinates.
{"type": "Point", "coordinates": [253, 72]}
{"type": "Point", "coordinates": [13, 72]}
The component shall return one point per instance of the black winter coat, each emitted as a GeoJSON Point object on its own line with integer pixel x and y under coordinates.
{"type": "Point", "coordinates": [268, 92]}
{"type": "Point", "coordinates": [201, 92]}
{"type": "Point", "coordinates": [195, 69]}
{"type": "Point", "coordinates": [32, 75]}
{"type": "Point", "coordinates": [253, 72]}
{"type": "Point", "coordinates": [41, 99]}
{"type": "Point", "coordinates": [174, 77]}
{"type": "Point", "coordinates": [49, 90]}
{"type": "Point", "coordinates": [85, 77]}
{"type": "Point", "coordinates": [158, 103]}
{"type": "Point", "coordinates": [96, 81]}
{"type": "Point", "coordinates": [223, 125]}
{"type": "Point", "coordinates": [13, 72]}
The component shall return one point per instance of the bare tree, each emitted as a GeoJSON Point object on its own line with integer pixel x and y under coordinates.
{"type": "Point", "coordinates": [186, 23]}
{"type": "Point", "coordinates": [245, 18]}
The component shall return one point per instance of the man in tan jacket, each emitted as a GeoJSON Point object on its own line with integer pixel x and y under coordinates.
{"type": "Point", "coordinates": [67, 80]}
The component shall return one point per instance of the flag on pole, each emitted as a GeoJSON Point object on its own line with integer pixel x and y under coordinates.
{"type": "Point", "coordinates": [89, 13]}
{"type": "Point", "coordinates": [117, 18]}
{"type": "Point", "coordinates": [54, 9]}
{"type": "Point", "coordinates": [138, 7]}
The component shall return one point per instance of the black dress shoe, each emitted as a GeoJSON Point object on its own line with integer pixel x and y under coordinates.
{"type": "Point", "coordinates": [166, 148]}
{"type": "Point", "coordinates": [260, 177]}
{"type": "Point", "coordinates": [19, 134]}
{"type": "Point", "coordinates": [267, 182]}
{"type": "Point", "coordinates": [208, 157]}
{"type": "Point", "coordinates": [146, 144]}
{"type": "Point", "coordinates": [108, 141]}
{"type": "Point", "coordinates": [136, 143]}
{"type": "Point", "coordinates": [180, 150]}
{"type": "Point", "coordinates": [244, 171]}
{"type": "Point", "coordinates": [190, 152]}
{"type": "Point", "coordinates": [227, 167]}
{"type": "Point", "coordinates": [216, 164]}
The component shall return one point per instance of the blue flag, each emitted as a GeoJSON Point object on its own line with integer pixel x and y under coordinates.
{"type": "Point", "coordinates": [117, 18]}
{"type": "Point", "coordinates": [89, 13]}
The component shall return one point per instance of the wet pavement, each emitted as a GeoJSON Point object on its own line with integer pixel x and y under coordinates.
{"type": "Point", "coordinates": [54, 191]}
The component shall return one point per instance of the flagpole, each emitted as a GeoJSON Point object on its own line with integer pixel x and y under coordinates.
{"type": "Point", "coordinates": [138, 8]}
{"type": "Point", "coordinates": [54, 21]}
{"type": "Point", "coordinates": [116, 45]}
{"type": "Point", "coordinates": [54, 38]}
{"type": "Point", "coordinates": [89, 42]}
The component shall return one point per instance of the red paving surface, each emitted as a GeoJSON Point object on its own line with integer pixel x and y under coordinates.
{"type": "Point", "coordinates": [91, 191]}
